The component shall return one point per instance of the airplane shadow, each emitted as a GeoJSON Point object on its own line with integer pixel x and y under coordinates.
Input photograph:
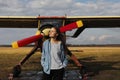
{"type": "Point", "coordinates": [94, 67]}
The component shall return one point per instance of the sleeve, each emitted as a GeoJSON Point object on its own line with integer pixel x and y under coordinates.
{"type": "Point", "coordinates": [65, 62]}
{"type": "Point", "coordinates": [65, 58]}
{"type": "Point", "coordinates": [43, 56]}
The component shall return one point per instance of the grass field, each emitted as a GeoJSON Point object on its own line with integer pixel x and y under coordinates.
{"type": "Point", "coordinates": [103, 61]}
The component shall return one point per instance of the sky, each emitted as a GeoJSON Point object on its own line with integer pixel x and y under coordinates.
{"type": "Point", "coordinates": [60, 8]}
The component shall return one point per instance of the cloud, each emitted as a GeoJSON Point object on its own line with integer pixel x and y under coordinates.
{"type": "Point", "coordinates": [113, 29]}
{"type": "Point", "coordinates": [104, 37]}
{"type": "Point", "coordinates": [109, 39]}
{"type": "Point", "coordinates": [97, 36]}
{"type": "Point", "coordinates": [50, 4]}
{"type": "Point", "coordinates": [69, 7]}
{"type": "Point", "coordinates": [11, 7]}
{"type": "Point", "coordinates": [61, 7]}
{"type": "Point", "coordinates": [92, 38]}
{"type": "Point", "coordinates": [13, 34]}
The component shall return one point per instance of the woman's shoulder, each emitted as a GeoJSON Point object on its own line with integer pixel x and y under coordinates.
{"type": "Point", "coordinates": [46, 41]}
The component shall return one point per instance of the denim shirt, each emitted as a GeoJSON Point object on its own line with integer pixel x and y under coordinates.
{"type": "Point", "coordinates": [46, 58]}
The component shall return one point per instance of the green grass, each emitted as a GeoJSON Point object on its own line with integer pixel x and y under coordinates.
{"type": "Point", "coordinates": [103, 61]}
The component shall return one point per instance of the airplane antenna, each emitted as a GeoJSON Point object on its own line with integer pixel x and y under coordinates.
{"type": "Point", "coordinates": [65, 15]}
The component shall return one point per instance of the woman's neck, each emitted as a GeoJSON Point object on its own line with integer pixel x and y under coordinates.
{"type": "Point", "coordinates": [53, 40]}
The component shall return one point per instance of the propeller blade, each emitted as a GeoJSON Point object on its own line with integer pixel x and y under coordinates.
{"type": "Point", "coordinates": [26, 41]}
{"type": "Point", "coordinates": [71, 26]}
{"type": "Point", "coordinates": [77, 33]}
{"type": "Point", "coordinates": [34, 38]}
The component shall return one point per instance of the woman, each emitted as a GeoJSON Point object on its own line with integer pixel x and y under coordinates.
{"type": "Point", "coordinates": [53, 59]}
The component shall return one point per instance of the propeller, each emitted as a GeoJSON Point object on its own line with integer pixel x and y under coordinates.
{"type": "Point", "coordinates": [34, 38]}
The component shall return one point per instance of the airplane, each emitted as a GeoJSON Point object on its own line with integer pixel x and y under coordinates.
{"type": "Point", "coordinates": [43, 23]}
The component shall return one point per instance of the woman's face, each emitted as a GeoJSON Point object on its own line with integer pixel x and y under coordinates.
{"type": "Point", "coordinates": [53, 33]}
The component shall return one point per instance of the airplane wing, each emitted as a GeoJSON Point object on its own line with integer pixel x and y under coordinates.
{"type": "Point", "coordinates": [95, 22]}
{"type": "Point", "coordinates": [18, 22]}
{"type": "Point", "coordinates": [24, 21]}
{"type": "Point", "coordinates": [34, 22]}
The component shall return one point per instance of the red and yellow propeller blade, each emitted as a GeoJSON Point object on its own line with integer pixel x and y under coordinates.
{"type": "Point", "coordinates": [26, 41]}
{"type": "Point", "coordinates": [34, 38]}
{"type": "Point", "coordinates": [71, 26]}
